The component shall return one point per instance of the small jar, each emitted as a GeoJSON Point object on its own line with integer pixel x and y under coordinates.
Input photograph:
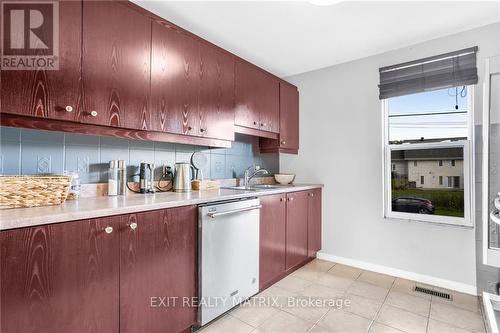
{"type": "Point", "coordinates": [74, 188]}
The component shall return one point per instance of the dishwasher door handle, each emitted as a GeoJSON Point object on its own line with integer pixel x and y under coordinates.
{"type": "Point", "coordinates": [233, 211]}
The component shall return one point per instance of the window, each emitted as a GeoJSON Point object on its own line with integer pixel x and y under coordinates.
{"type": "Point", "coordinates": [421, 131]}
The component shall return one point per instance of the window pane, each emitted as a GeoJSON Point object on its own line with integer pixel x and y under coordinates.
{"type": "Point", "coordinates": [429, 115]}
{"type": "Point", "coordinates": [426, 187]}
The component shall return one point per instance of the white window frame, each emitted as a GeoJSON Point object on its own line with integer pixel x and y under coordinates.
{"type": "Point", "coordinates": [468, 149]}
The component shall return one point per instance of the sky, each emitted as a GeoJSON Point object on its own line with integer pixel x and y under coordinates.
{"type": "Point", "coordinates": [428, 126]}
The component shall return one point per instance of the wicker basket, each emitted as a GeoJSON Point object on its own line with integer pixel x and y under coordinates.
{"type": "Point", "coordinates": [33, 191]}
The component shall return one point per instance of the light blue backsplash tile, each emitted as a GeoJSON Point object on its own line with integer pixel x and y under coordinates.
{"type": "Point", "coordinates": [113, 150]}
{"type": "Point", "coordinates": [41, 158]}
{"type": "Point", "coordinates": [115, 142]}
{"type": "Point", "coordinates": [42, 136]}
{"type": "Point", "coordinates": [138, 156]}
{"type": "Point", "coordinates": [218, 166]}
{"type": "Point", "coordinates": [270, 162]}
{"type": "Point", "coordinates": [10, 157]}
{"type": "Point", "coordinates": [141, 144]}
{"type": "Point", "coordinates": [220, 151]}
{"type": "Point", "coordinates": [10, 134]}
{"type": "Point", "coordinates": [79, 139]}
{"type": "Point", "coordinates": [163, 157]}
{"type": "Point", "coordinates": [31, 152]}
{"type": "Point", "coordinates": [164, 146]}
{"type": "Point", "coordinates": [84, 159]}
{"type": "Point", "coordinates": [236, 165]}
{"type": "Point", "coordinates": [183, 156]}
{"type": "Point", "coordinates": [206, 170]}
{"type": "Point", "coordinates": [185, 148]}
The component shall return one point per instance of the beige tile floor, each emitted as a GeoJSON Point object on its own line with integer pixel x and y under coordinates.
{"type": "Point", "coordinates": [350, 300]}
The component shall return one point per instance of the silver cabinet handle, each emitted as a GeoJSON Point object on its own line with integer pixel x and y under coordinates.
{"type": "Point", "coordinates": [133, 225]}
{"type": "Point", "coordinates": [495, 216]}
{"type": "Point", "coordinates": [108, 230]}
{"type": "Point", "coordinates": [233, 211]}
{"type": "Point", "coordinates": [68, 108]}
{"type": "Point", "coordinates": [93, 113]}
{"type": "Point", "coordinates": [311, 195]}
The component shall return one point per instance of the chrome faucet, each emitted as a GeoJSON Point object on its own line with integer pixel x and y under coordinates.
{"type": "Point", "coordinates": [255, 171]}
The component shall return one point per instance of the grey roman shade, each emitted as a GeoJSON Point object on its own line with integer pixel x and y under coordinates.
{"type": "Point", "coordinates": [438, 72]}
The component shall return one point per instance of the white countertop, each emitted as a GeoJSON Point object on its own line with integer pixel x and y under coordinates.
{"type": "Point", "coordinates": [86, 208]}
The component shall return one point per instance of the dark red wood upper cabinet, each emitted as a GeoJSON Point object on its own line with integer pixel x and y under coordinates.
{"type": "Point", "coordinates": [54, 94]}
{"type": "Point", "coordinates": [257, 98]}
{"type": "Point", "coordinates": [216, 95]}
{"type": "Point", "coordinates": [158, 259]}
{"type": "Point", "coordinates": [314, 223]}
{"type": "Point", "coordinates": [246, 87]}
{"type": "Point", "coordinates": [175, 78]}
{"type": "Point", "coordinates": [116, 65]}
{"type": "Point", "coordinates": [296, 228]}
{"type": "Point", "coordinates": [289, 123]}
{"type": "Point", "coordinates": [289, 116]}
{"type": "Point", "coordinates": [269, 103]}
{"type": "Point", "coordinates": [61, 277]}
{"type": "Point", "coordinates": [272, 238]}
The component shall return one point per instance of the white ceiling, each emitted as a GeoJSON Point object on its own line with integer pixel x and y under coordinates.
{"type": "Point", "coordinates": [288, 37]}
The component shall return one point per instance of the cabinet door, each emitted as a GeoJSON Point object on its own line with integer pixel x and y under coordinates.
{"type": "Point", "coordinates": [216, 95]}
{"type": "Point", "coordinates": [61, 277]}
{"type": "Point", "coordinates": [247, 87]}
{"type": "Point", "coordinates": [272, 238]}
{"type": "Point", "coordinates": [289, 116]}
{"type": "Point", "coordinates": [116, 65]}
{"type": "Point", "coordinates": [296, 228]}
{"type": "Point", "coordinates": [257, 98]}
{"type": "Point", "coordinates": [158, 260]}
{"type": "Point", "coordinates": [269, 103]}
{"type": "Point", "coordinates": [174, 81]}
{"type": "Point", "coordinates": [314, 223]}
{"type": "Point", "coordinates": [48, 93]}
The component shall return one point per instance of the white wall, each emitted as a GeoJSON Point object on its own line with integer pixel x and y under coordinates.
{"type": "Point", "coordinates": [341, 147]}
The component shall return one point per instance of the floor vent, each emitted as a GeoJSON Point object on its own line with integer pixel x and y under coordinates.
{"type": "Point", "coordinates": [433, 292]}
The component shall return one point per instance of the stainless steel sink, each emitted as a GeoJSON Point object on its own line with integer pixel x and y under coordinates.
{"type": "Point", "coordinates": [256, 187]}
{"type": "Point", "coordinates": [269, 186]}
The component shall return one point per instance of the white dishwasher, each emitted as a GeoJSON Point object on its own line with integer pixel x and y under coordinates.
{"type": "Point", "coordinates": [228, 256]}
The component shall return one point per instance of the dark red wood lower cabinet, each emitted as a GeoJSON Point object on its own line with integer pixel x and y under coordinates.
{"type": "Point", "coordinates": [158, 270]}
{"type": "Point", "coordinates": [314, 223]}
{"type": "Point", "coordinates": [296, 228]}
{"type": "Point", "coordinates": [272, 238]}
{"type": "Point", "coordinates": [61, 277]}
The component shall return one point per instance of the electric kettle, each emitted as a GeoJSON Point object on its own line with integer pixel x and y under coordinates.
{"type": "Point", "coordinates": [182, 177]}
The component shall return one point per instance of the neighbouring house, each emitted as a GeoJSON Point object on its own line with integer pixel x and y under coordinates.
{"type": "Point", "coordinates": [441, 168]}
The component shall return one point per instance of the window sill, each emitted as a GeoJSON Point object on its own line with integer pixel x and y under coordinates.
{"type": "Point", "coordinates": [437, 221]}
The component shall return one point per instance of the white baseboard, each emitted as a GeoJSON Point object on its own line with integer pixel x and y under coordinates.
{"type": "Point", "coordinates": [434, 281]}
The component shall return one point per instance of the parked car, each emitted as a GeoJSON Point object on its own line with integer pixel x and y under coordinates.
{"type": "Point", "coordinates": [412, 205]}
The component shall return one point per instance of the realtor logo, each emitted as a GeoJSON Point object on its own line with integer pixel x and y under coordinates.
{"type": "Point", "coordinates": [30, 35]}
